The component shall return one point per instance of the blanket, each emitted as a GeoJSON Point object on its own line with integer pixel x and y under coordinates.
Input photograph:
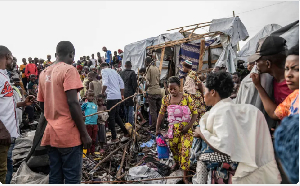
{"type": "Point", "coordinates": [241, 132]}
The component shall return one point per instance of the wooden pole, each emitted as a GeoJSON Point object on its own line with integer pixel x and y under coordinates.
{"type": "Point", "coordinates": [161, 59]}
{"type": "Point", "coordinates": [202, 52]}
{"type": "Point", "coordinates": [122, 162]}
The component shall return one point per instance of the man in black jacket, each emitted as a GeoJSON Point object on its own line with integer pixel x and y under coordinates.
{"type": "Point", "coordinates": [130, 82]}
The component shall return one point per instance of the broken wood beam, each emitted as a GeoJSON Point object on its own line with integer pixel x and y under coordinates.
{"type": "Point", "coordinates": [108, 156]}
{"type": "Point", "coordinates": [122, 162]}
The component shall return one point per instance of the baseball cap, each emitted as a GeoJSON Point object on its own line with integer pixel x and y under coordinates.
{"type": "Point", "coordinates": [268, 46]}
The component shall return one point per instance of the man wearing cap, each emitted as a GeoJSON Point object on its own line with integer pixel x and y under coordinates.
{"type": "Point", "coordinates": [270, 58]}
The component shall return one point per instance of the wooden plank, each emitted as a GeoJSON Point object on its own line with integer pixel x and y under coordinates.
{"type": "Point", "coordinates": [195, 28]}
{"type": "Point", "coordinates": [212, 62]}
{"type": "Point", "coordinates": [202, 52]}
{"type": "Point", "coordinates": [189, 26]}
{"type": "Point", "coordinates": [161, 59]}
{"type": "Point", "coordinates": [184, 40]}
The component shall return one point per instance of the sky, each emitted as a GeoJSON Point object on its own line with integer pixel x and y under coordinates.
{"type": "Point", "coordinates": [33, 28]}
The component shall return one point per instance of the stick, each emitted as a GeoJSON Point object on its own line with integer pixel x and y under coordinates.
{"type": "Point", "coordinates": [162, 178]}
{"type": "Point", "coordinates": [122, 162]}
{"type": "Point", "coordinates": [108, 156]}
{"type": "Point", "coordinates": [111, 107]}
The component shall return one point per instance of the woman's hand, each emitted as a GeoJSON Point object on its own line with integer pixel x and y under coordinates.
{"type": "Point", "coordinates": [185, 129]}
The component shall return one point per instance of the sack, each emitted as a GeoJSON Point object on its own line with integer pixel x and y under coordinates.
{"type": "Point", "coordinates": [25, 175]}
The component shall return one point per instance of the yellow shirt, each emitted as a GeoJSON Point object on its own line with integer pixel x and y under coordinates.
{"type": "Point", "coordinates": [21, 69]}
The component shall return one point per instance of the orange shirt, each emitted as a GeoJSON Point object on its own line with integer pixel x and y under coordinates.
{"type": "Point", "coordinates": [54, 81]}
{"type": "Point", "coordinates": [289, 106]}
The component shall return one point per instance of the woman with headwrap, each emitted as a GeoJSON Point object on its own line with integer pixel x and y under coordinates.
{"type": "Point", "coordinates": [193, 87]}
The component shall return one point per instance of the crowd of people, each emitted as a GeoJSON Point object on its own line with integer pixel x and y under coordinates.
{"type": "Point", "coordinates": [220, 123]}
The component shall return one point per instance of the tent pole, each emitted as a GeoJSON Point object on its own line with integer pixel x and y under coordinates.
{"type": "Point", "coordinates": [161, 59]}
{"type": "Point", "coordinates": [202, 52]}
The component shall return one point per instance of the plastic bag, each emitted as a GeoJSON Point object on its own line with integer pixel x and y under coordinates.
{"type": "Point", "coordinates": [25, 175]}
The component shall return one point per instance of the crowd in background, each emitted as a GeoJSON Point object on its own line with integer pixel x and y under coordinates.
{"type": "Point", "coordinates": [213, 123]}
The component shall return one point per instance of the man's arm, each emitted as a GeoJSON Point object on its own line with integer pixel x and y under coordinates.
{"type": "Point", "coordinates": [269, 105]}
{"type": "Point", "coordinates": [121, 83]}
{"type": "Point", "coordinates": [104, 81]}
{"type": "Point", "coordinates": [76, 114]}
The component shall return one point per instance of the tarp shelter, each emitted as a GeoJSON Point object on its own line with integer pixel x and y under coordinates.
{"type": "Point", "coordinates": [233, 31]}
{"type": "Point", "coordinates": [290, 33]}
{"type": "Point", "coordinates": [229, 30]}
{"type": "Point", "coordinates": [250, 47]}
{"type": "Point", "coordinates": [136, 52]}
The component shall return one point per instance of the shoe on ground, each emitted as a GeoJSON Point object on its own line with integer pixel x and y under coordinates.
{"type": "Point", "coordinates": [124, 138]}
{"type": "Point", "coordinates": [110, 142]}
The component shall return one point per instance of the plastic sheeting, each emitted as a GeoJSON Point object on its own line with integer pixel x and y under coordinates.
{"type": "Point", "coordinates": [236, 30]}
{"type": "Point", "coordinates": [250, 47]}
{"type": "Point", "coordinates": [136, 52]}
{"type": "Point", "coordinates": [233, 27]}
{"type": "Point", "coordinates": [25, 175]}
{"type": "Point", "coordinates": [290, 33]}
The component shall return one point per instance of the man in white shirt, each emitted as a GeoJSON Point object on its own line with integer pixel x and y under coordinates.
{"type": "Point", "coordinates": [94, 61]}
{"type": "Point", "coordinates": [113, 87]}
{"type": "Point", "coordinates": [9, 130]}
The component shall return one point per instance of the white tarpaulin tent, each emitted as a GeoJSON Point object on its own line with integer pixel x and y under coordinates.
{"type": "Point", "coordinates": [290, 33]}
{"type": "Point", "coordinates": [136, 52]}
{"type": "Point", "coordinates": [250, 47]}
{"type": "Point", "coordinates": [236, 30]}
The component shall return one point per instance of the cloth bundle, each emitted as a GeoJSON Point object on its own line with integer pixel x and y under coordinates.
{"type": "Point", "coordinates": [162, 147]}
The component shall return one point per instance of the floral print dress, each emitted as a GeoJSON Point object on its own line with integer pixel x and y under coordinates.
{"type": "Point", "coordinates": [181, 143]}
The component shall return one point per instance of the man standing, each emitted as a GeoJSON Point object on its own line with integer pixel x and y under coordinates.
{"type": "Point", "coordinates": [48, 62]}
{"type": "Point", "coordinates": [113, 87]}
{"type": "Point", "coordinates": [22, 69]}
{"type": "Point", "coordinates": [153, 90]}
{"type": "Point", "coordinates": [108, 57]}
{"type": "Point", "coordinates": [94, 61]}
{"type": "Point", "coordinates": [270, 58]}
{"type": "Point", "coordinates": [9, 130]}
{"type": "Point", "coordinates": [130, 81]}
{"type": "Point", "coordinates": [30, 69]}
{"type": "Point", "coordinates": [65, 132]}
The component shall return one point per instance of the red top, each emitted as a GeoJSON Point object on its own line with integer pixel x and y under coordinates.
{"type": "Point", "coordinates": [31, 69]}
{"type": "Point", "coordinates": [281, 91]}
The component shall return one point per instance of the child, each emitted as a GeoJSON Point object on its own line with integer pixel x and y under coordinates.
{"type": "Point", "coordinates": [91, 122]}
{"type": "Point", "coordinates": [33, 85]}
{"type": "Point", "coordinates": [101, 122]}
